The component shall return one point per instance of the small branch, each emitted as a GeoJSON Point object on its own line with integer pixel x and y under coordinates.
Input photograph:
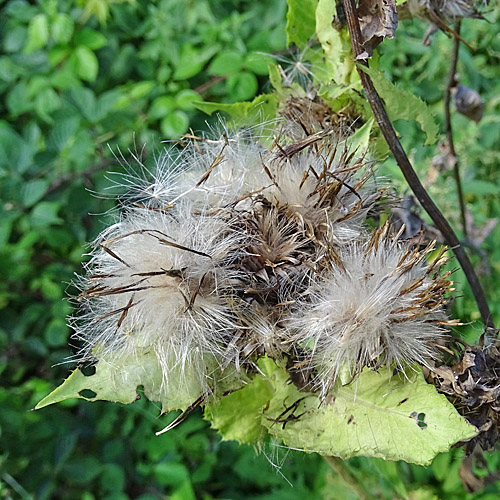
{"type": "Point", "coordinates": [65, 179]}
{"type": "Point", "coordinates": [409, 173]}
{"type": "Point", "coordinates": [450, 83]}
{"type": "Point", "coordinates": [346, 475]}
{"type": "Point", "coordinates": [207, 85]}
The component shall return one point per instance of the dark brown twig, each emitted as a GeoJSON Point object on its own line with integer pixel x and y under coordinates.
{"type": "Point", "coordinates": [450, 83]}
{"type": "Point", "coordinates": [409, 173]}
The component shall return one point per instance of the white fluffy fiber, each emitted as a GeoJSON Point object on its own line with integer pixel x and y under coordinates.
{"type": "Point", "coordinates": [230, 250]}
{"type": "Point", "coordinates": [144, 290]}
{"type": "Point", "coordinates": [368, 313]}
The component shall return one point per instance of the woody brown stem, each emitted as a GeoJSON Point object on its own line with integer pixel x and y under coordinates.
{"type": "Point", "coordinates": [409, 173]}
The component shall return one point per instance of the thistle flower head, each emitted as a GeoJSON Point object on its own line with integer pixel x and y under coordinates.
{"type": "Point", "coordinates": [379, 303]}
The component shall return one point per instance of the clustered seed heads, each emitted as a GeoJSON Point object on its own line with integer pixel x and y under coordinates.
{"type": "Point", "coordinates": [233, 250]}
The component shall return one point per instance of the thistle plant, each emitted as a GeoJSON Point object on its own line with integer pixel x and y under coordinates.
{"type": "Point", "coordinates": [253, 272]}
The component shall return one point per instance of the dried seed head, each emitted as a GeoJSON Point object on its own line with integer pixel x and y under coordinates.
{"type": "Point", "coordinates": [382, 305]}
{"type": "Point", "coordinates": [159, 279]}
{"type": "Point", "coordinates": [231, 251]}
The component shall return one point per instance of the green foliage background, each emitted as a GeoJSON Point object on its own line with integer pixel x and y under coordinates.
{"type": "Point", "coordinates": [76, 76]}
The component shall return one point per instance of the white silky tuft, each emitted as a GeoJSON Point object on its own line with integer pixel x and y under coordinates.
{"type": "Point", "coordinates": [379, 305]}
{"type": "Point", "coordinates": [230, 250]}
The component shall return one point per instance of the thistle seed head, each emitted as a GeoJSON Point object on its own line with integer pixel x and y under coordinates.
{"type": "Point", "coordinates": [380, 303]}
{"type": "Point", "coordinates": [231, 250]}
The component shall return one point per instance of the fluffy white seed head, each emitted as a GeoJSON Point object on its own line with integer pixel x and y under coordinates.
{"type": "Point", "coordinates": [160, 279]}
{"type": "Point", "coordinates": [379, 304]}
{"type": "Point", "coordinates": [231, 250]}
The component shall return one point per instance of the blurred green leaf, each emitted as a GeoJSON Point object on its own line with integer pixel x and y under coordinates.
{"type": "Point", "coordinates": [81, 470]}
{"type": "Point", "coordinates": [170, 473]}
{"type": "Point", "coordinates": [38, 33]}
{"type": "Point", "coordinates": [480, 188]}
{"type": "Point", "coordinates": [185, 99]}
{"type": "Point", "coordinates": [112, 478]}
{"type": "Point", "coordinates": [161, 107]}
{"type": "Point", "coordinates": [61, 28]}
{"type": "Point", "coordinates": [46, 102]}
{"type": "Point", "coordinates": [45, 214]}
{"type": "Point", "coordinates": [175, 124]}
{"type": "Point", "coordinates": [257, 63]}
{"type": "Point", "coordinates": [85, 62]}
{"type": "Point", "coordinates": [191, 61]}
{"type": "Point", "coordinates": [56, 333]}
{"type": "Point", "coordinates": [17, 99]}
{"type": "Point", "coordinates": [226, 63]}
{"type": "Point", "coordinates": [90, 38]}
{"type": "Point", "coordinates": [33, 191]}
{"type": "Point", "coordinates": [301, 21]}
{"type": "Point", "coordinates": [242, 86]}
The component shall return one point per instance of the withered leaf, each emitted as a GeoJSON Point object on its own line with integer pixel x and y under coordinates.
{"type": "Point", "coordinates": [378, 19]}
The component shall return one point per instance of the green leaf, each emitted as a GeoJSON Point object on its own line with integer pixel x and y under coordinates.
{"type": "Point", "coordinates": [86, 65]}
{"type": "Point", "coordinates": [263, 107]}
{"type": "Point", "coordinates": [480, 188]}
{"type": "Point", "coordinates": [257, 63]}
{"type": "Point", "coordinates": [81, 469]}
{"type": "Point", "coordinates": [84, 100]}
{"type": "Point", "coordinates": [117, 381]}
{"type": "Point", "coordinates": [191, 61]}
{"type": "Point", "coordinates": [336, 44]}
{"type": "Point", "coordinates": [46, 102]}
{"type": "Point", "coordinates": [360, 140]}
{"type": "Point", "coordinates": [17, 99]}
{"type": "Point", "coordinates": [402, 105]}
{"type": "Point", "coordinates": [237, 416]}
{"type": "Point", "coordinates": [90, 38]}
{"type": "Point", "coordinates": [379, 415]}
{"type": "Point", "coordinates": [45, 214]}
{"type": "Point", "coordinates": [38, 33]}
{"type": "Point", "coordinates": [242, 86]}
{"type": "Point", "coordinates": [62, 132]}
{"type": "Point", "coordinates": [226, 63]}
{"type": "Point", "coordinates": [112, 478]}
{"type": "Point", "coordinates": [175, 124]}
{"type": "Point", "coordinates": [301, 21]}
{"type": "Point", "coordinates": [62, 28]}
{"type": "Point", "coordinates": [185, 98]}
{"type": "Point", "coordinates": [33, 191]}
{"type": "Point", "coordinates": [58, 53]}
{"type": "Point", "coordinates": [141, 89]}
{"type": "Point", "coordinates": [9, 71]}
{"type": "Point", "coordinates": [56, 333]}
{"type": "Point", "coordinates": [161, 107]}
{"type": "Point", "coordinates": [170, 474]}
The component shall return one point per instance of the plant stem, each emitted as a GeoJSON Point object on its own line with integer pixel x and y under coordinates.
{"type": "Point", "coordinates": [450, 83]}
{"type": "Point", "coordinates": [409, 173]}
{"type": "Point", "coordinates": [346, 475]}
